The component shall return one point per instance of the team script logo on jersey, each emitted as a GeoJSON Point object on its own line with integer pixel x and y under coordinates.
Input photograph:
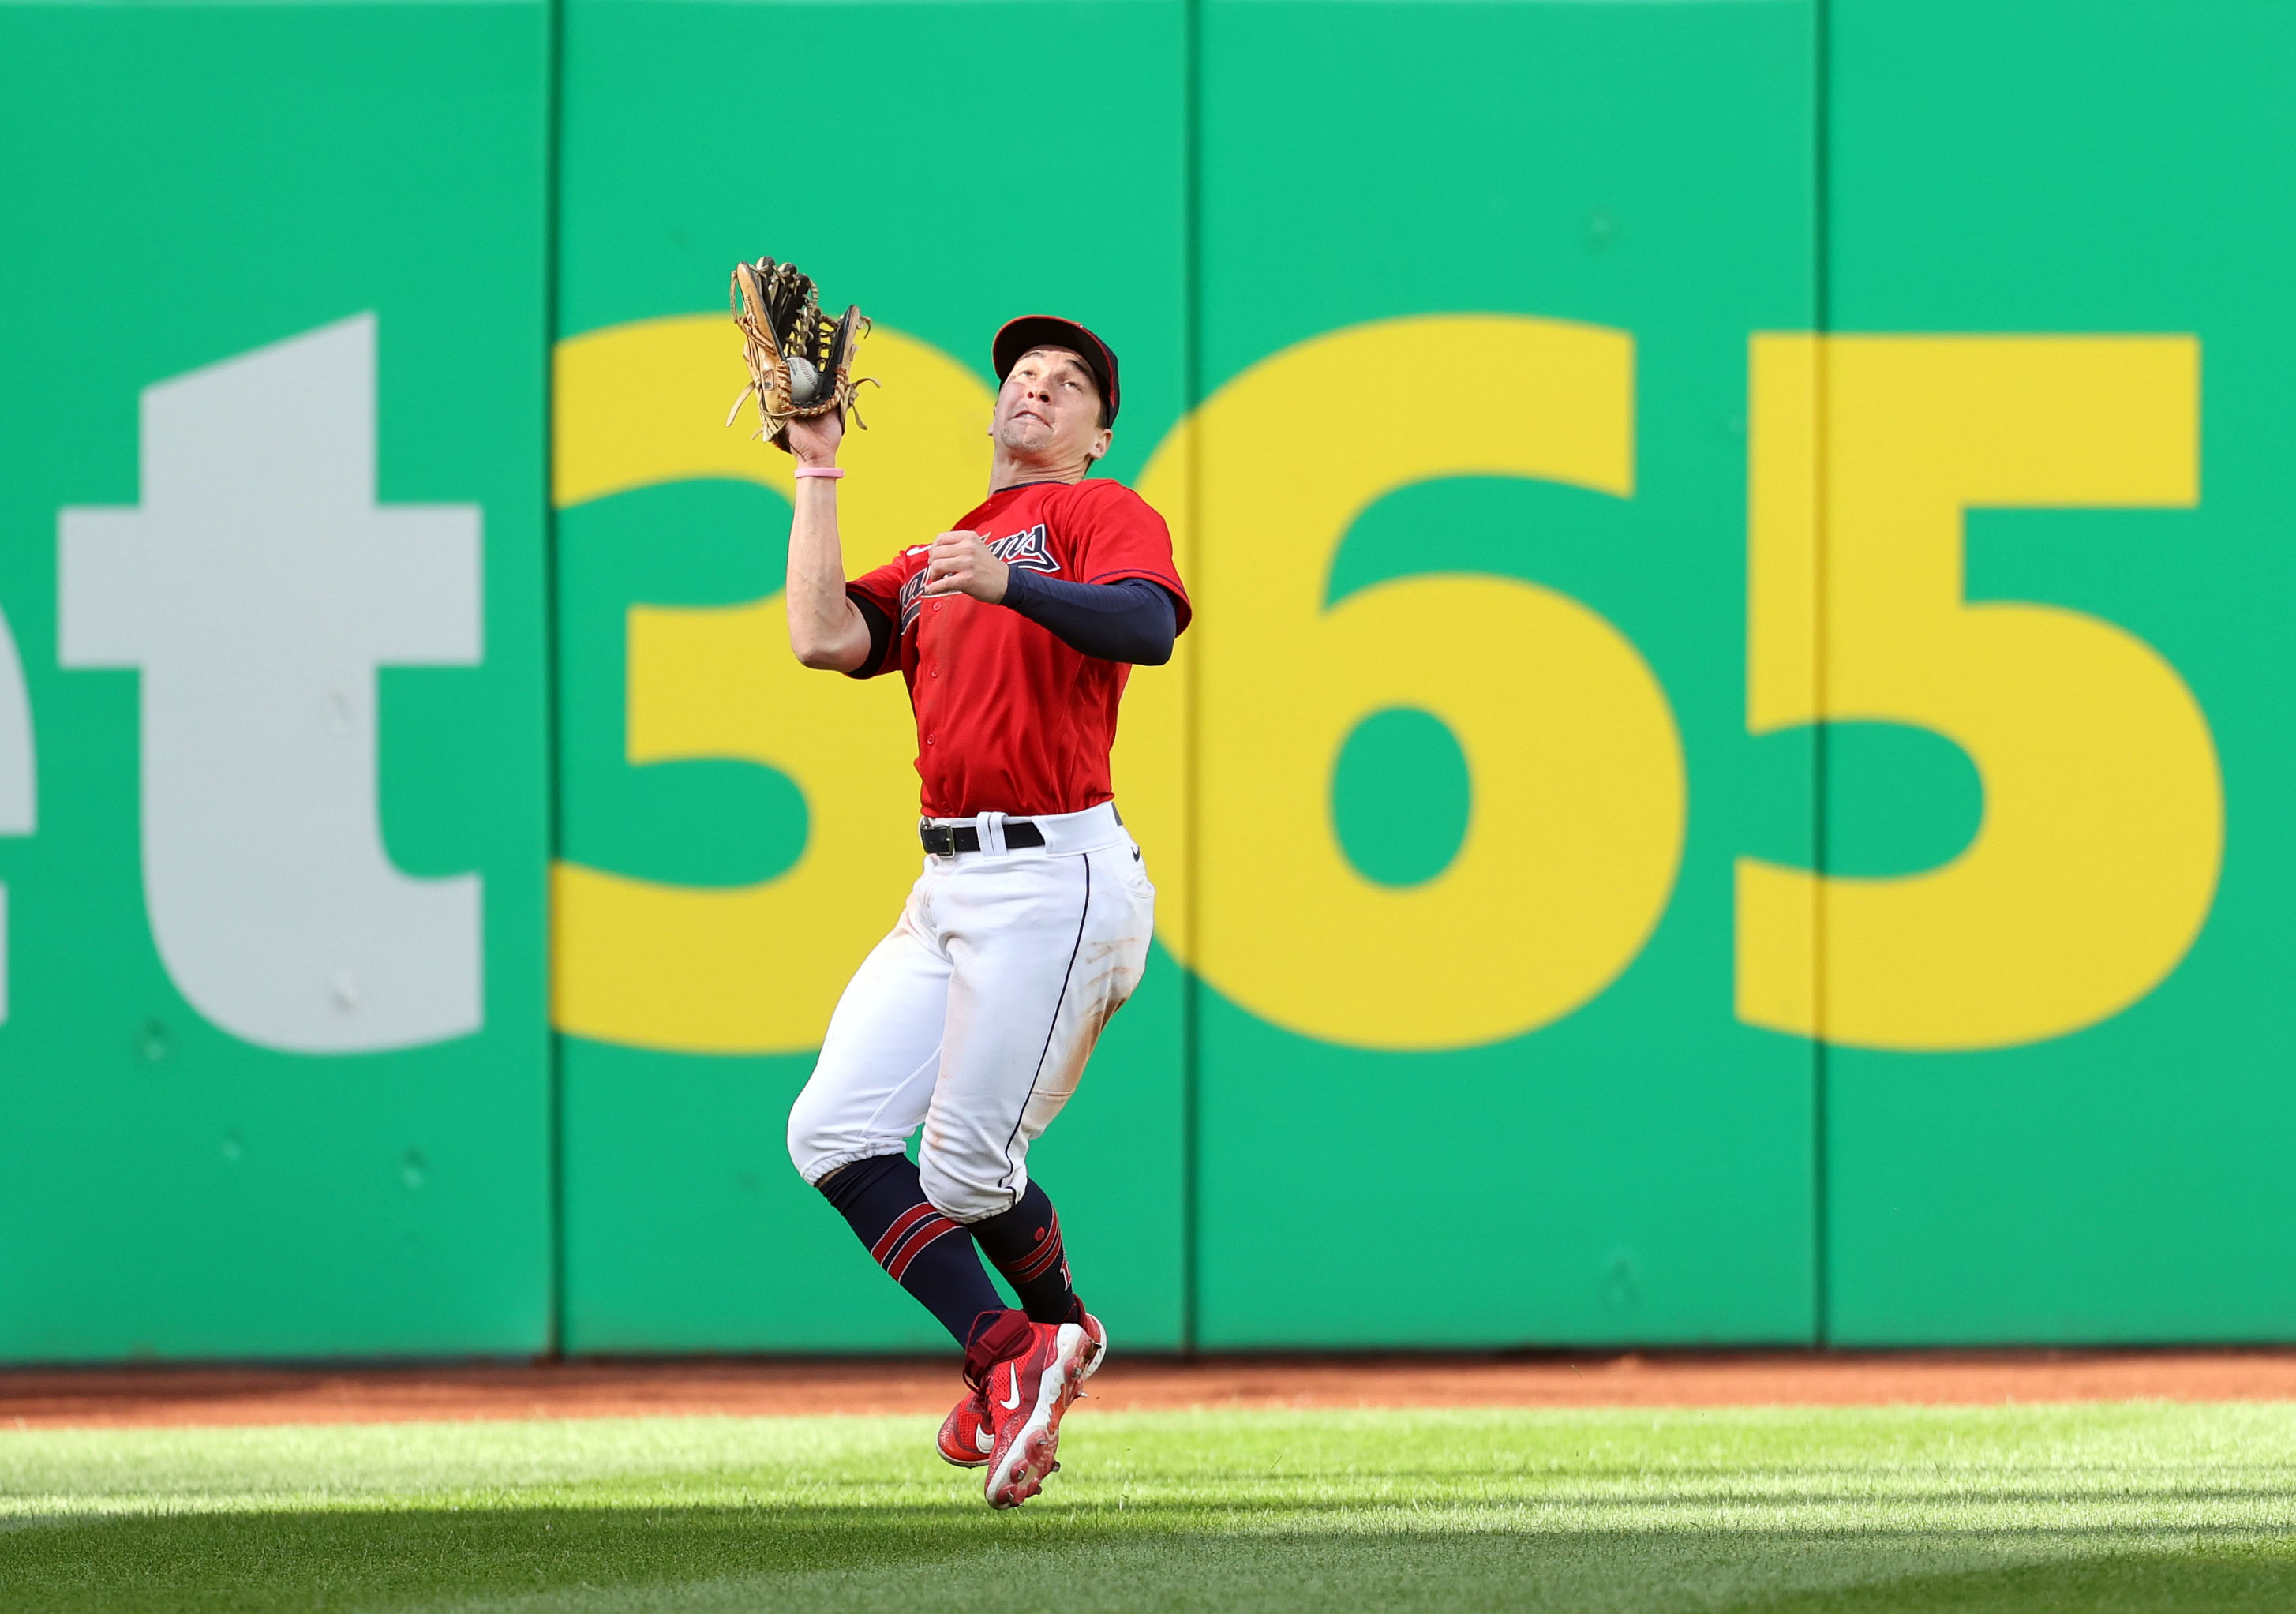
{"type": "Point", "coordinates": [1031, 551]}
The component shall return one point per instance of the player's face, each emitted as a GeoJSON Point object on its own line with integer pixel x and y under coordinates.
{"type": "Point", "coordinates": [1049, 408]}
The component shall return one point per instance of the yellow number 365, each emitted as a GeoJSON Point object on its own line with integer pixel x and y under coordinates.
{"type": "Point", "coordinates": [2090, 876]}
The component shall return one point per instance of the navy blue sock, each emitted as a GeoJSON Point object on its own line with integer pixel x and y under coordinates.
{"type": "Point", "coordinates": [883, 1202]}
{"type": "Point", "coordinates": [1024, 1244]}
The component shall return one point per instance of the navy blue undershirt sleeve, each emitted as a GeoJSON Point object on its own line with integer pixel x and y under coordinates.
{"type": "Point", "coordinates": [1132, 620]}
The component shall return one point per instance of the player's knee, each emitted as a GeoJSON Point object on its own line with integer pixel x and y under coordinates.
{"type": "Point", "coordinates": [813, 1140]}
{"type": "Point", "coordinates": [960, 1190]}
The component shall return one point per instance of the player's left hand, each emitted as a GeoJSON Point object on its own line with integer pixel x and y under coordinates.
{"type": "Point", "coordinates": [959, 563]}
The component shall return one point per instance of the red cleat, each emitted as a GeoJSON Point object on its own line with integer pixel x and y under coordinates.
{"type": "Point", "coordinates": [967, 1436]}
{"type": "Point", "coordinates": [1027, 1394]}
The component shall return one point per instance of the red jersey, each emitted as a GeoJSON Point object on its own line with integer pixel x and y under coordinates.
{"type": "Point", "coordinates": [1010, 719]}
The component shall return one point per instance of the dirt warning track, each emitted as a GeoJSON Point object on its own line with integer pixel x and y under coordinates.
{"type": "Point", "coordinates": [147, 1396]}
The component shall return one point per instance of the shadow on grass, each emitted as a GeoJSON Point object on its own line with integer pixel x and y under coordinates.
{"type": "Point", "coordinates": [923, 1561]}
{"type": "Point", "coordinates": [2250, 1578]}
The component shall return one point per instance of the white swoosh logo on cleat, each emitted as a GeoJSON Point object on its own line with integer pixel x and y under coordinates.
{"type": "Point", "coordinates": [1015, 1401]}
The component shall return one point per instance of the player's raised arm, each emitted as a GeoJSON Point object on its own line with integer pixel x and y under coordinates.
{"type": "Point", "coordinates": [826, 629]}
{"type": "Point", "coordinates": [801, 376]}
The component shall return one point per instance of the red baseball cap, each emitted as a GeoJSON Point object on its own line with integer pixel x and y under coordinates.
{"type": "Point", "coordinates": [1032, 331]}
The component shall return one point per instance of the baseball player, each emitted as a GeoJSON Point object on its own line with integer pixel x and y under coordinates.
{"type": "Point", "coordinates": [1015, 631]}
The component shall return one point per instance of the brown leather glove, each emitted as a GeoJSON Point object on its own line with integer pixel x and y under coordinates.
{"type": "Point", "coordinates": [800, 365]}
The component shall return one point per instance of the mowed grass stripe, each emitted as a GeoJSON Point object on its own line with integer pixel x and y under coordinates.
{"type": "Point", "coordinates": [2110, 1507]}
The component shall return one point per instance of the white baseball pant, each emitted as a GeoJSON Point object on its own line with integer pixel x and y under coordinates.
{"type": "Point", "coordinates": [976, 1015]}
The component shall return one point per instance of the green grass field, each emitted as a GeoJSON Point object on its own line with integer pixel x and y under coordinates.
{"type": "Point", "coordinates": [2105, 1508]}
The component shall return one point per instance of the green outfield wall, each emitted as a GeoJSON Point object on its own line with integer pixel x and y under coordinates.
{"type": "Point", "coordinates": [1727, 784]}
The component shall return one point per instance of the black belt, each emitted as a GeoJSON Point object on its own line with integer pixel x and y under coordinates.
{"type": "Point", "coordinates": [947, 839]}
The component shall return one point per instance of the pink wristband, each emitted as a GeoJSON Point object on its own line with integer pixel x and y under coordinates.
{"type": "Point", "coordinates": [823, 471]}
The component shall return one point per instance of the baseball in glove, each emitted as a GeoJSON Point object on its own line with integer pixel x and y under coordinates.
{"type": "Point", "coordinates": [801, 364]}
